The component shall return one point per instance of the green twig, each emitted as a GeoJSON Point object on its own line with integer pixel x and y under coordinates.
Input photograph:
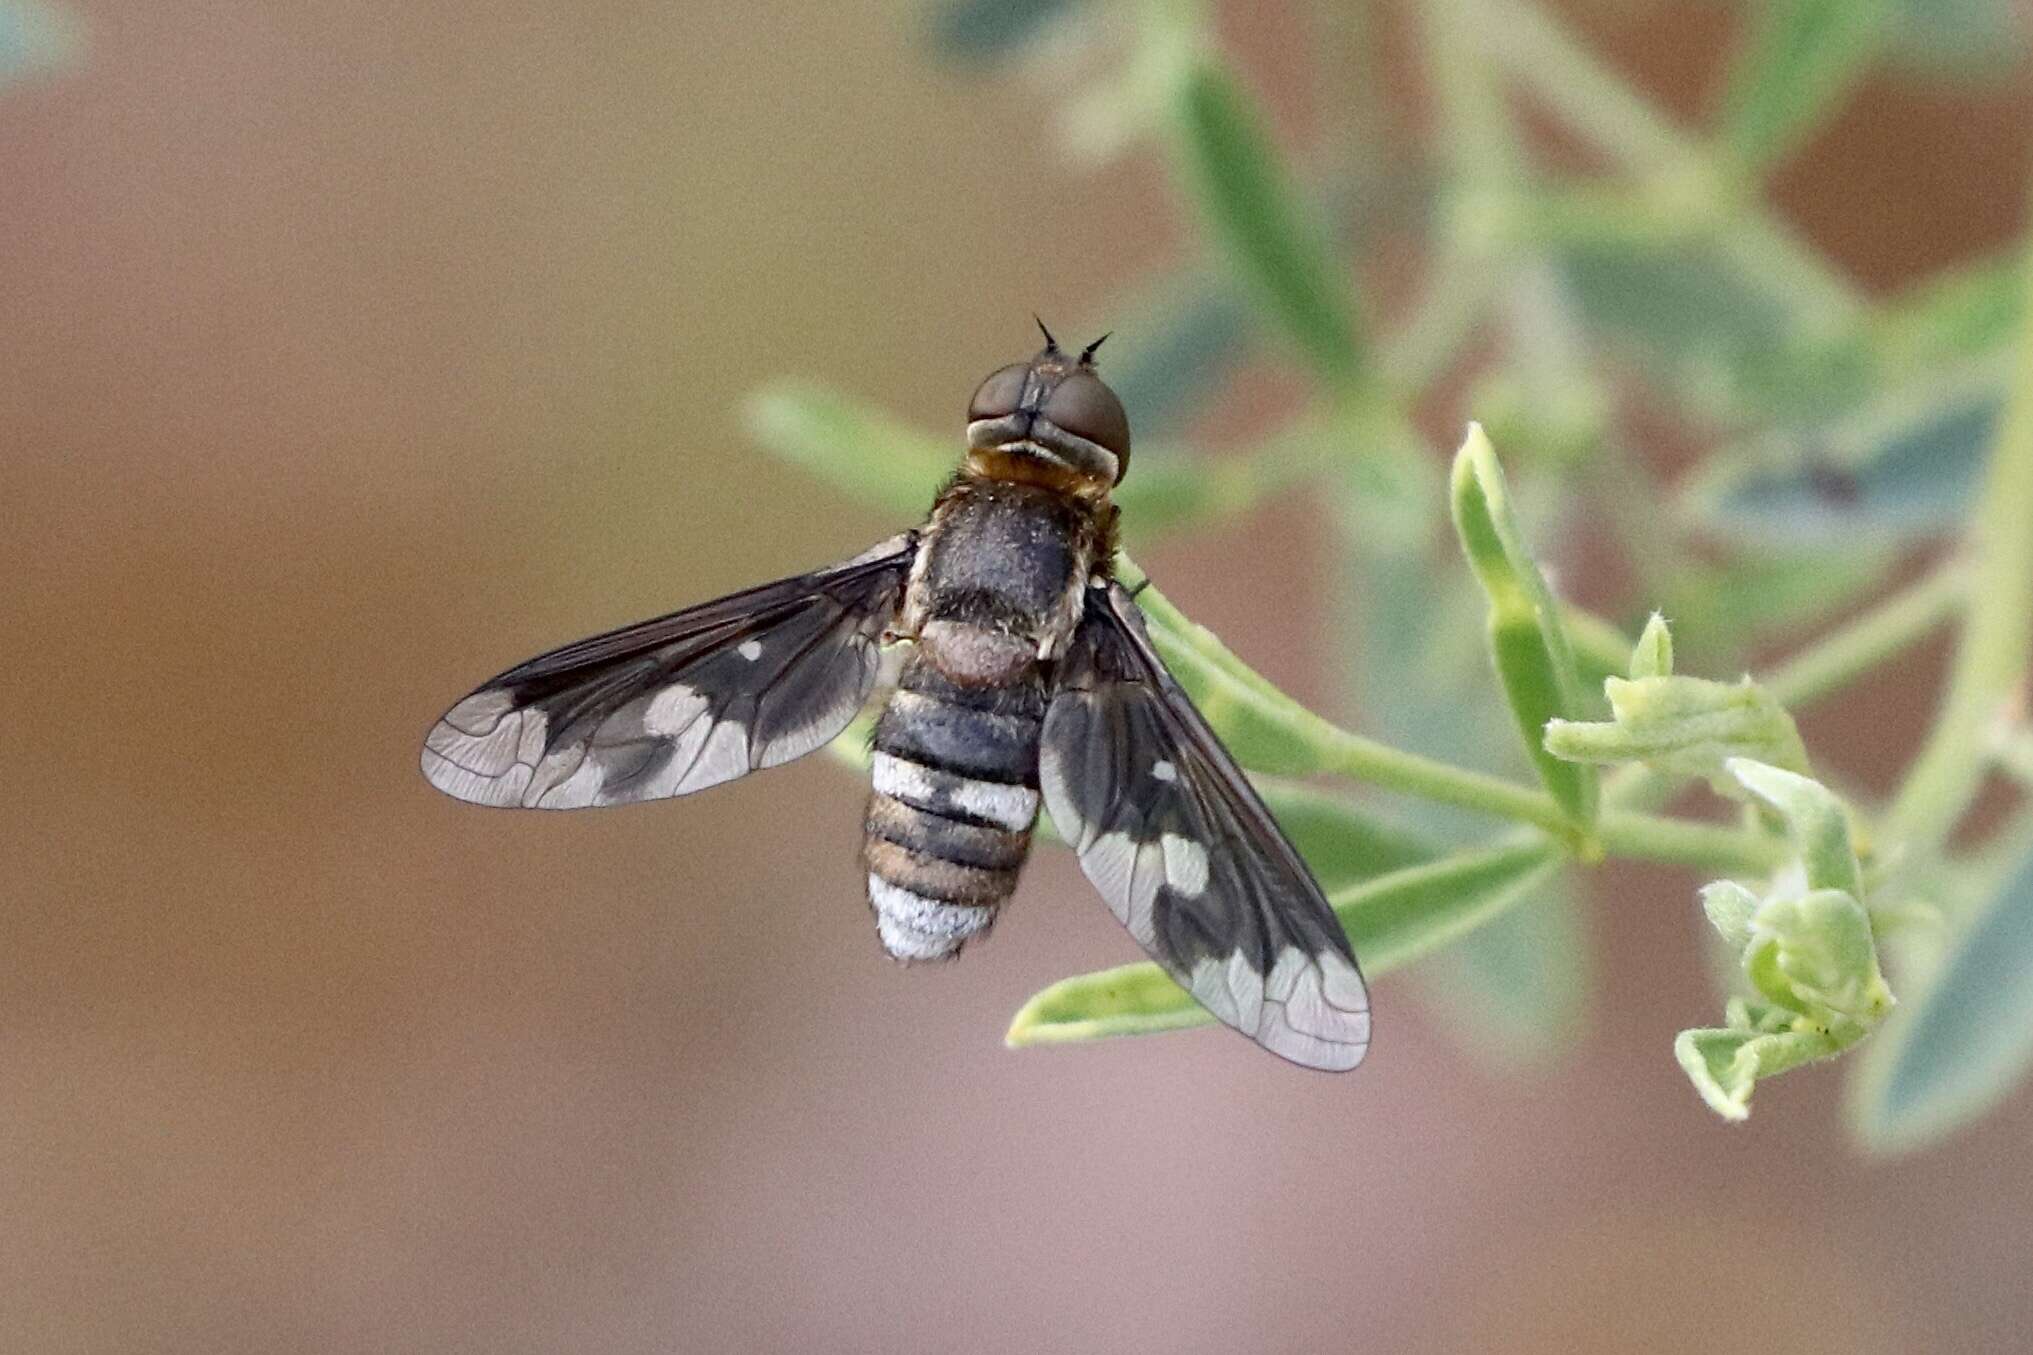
{"type": "Point", "coordinates": [1991, 654]}
{"type": "Point", "coordinates": [1586, 94]}
{"type": "Point", "coordinates": [1850, 651]}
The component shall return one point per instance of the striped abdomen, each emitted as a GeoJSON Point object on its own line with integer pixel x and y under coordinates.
{"type": "Point", "coordinates": [956, 793]}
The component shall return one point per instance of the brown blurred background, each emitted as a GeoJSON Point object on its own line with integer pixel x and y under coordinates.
{"type": "Point", "coordinates": [349, 353]}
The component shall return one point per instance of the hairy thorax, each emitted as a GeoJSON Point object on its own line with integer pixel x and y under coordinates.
{"type": "Point", "coordinates": [1000, 577]}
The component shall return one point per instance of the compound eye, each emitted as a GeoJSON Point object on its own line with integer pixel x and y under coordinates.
{"type": "Point", "coordinates": [1084, 406]}
{"type": "Point", "coordinates": [999, 395]}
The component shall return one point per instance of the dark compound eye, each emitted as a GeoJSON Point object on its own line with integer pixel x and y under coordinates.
{"type": "Point", "coordinates": [1084, 406]}
{"type": "Point", "coordinates": [998, 396]}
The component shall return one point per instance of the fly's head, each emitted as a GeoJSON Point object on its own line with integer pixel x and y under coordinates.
{"type": "Point", "coordinates": [1050, 421]}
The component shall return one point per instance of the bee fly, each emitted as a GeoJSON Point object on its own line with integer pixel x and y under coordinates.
{"type": "Point", "coordinates": [1027, 675]}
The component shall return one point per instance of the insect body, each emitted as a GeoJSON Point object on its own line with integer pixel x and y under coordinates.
{"type": "Point", "coordinates": [1028, 678]}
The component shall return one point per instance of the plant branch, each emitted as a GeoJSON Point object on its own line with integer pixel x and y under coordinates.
{"type": "Point", "coordinates": [1851, 650]}
{"type": "Point", "coordinates": [1991, 654]}
{"type": "Point", "coordinates": [1685, 842]}
{"type": "Point", "coordinates": [1591, 98]}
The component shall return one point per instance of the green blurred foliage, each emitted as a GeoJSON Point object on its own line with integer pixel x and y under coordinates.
{"type": "Point", "coordinates": [1839, 434]}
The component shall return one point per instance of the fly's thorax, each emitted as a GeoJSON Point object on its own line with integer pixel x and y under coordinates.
{"type": "Point", "coordinates": [1001, 577]}
{"type": "Point", "coordinates": [955, 797]}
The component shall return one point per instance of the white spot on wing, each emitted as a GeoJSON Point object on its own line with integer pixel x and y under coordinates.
{"type": "Point", "coordinates": [1164, 770]}
{"type": "Point", "coordinates": [750, 650]}
{"type": "Point", "coordinates": [1309, 1009]}
{"type": "Point", "coordinates": [1185, 865]}
{"type": "Point", "coordinates": [1314, 1011]}
{"type": "Point", "coordinates": [484, 752]}
{"type": "Point", "coordinates": [724, 757]}
{"type": "Point", "coordinates": [673, 710]}
{"type": "Point", "coordinates": [1128, 874]}
{"type": "Point", "coordinates": [1052, 777]}
{"type": "Point", "coordinates": [479, 713]}
{"type": "Point", "coordinates": [1213, 988]}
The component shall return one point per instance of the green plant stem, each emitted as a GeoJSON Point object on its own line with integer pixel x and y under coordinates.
{"type": "Point", "coordinates": [1991, 653]}
{"type": "Point", "coordinates": [1683, 842]}
{"type": "Point", "coordinates": [1339, 752]}
{"type": "Point", "coordinates": [1851, 650]}
{"type": "Point", "coordinates": [1362, 759]}
{"type": "Point", "coordinates": [1541, 56]}
{"type": "Point", "coordinates": [1586, 93]}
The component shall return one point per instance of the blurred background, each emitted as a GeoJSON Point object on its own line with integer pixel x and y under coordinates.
{"type": "Point", "coordinates": [350, 353]}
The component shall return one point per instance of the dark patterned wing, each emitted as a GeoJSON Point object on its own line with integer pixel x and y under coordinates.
{"type": "Point", "coordinates": [680, 703]}
{"type": "Point", "coordinates": [1171, 833]}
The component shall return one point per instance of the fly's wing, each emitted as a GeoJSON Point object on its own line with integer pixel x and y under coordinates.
{"type": "Point", "coordinates": [677, 704]}
{"type": "Point", "coordinates": [1188, 858]}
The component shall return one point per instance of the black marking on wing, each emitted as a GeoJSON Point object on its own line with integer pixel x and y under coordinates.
{"type": "Point", "coordinates": [680, 703]}
{"type": "Point", "coordinates": [1171, 833]}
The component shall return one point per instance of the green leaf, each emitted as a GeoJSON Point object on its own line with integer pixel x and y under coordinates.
{"type": "Point", "coordinates": [1653, 655]}
{"type": "Point", "coordinates": [37, 37]}
{"type": "Point", "coordinates": [1682, 726]}
{"type": "Point", "coordinates": [1685, 306]}
{"type": "Point", "coordinates": [1814, 954]}
{"type": "Point", "coordinates": [1905, 468]}
{"type": "Point", "coordinates": [1729, 907]}
{"type": "Point", "coordinates": [1390, 920]}
{"type": "Point", "coordinates": [1799, 60]}
{"type": "Point", "coordinates": [1724, 1064]}
{"type": "Point", "coordinates": [857, 448]}
{"type": "Point", "coordinates": [1966, 1038]}
{"type": "Point", "coordinates": [1816, 822]}
{"type": "Point", "coordinates": [1533, 658]}
{"type": "Point", "coordinates": [1263, 226]}
{"type": "Point", "coordinates": [985, 32]}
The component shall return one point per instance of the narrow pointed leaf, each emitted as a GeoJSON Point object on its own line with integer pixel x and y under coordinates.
{"type": "Point", "coordinates": [1534, 660]}
{"type": "Point", "coordinates": [852, 446]}
{"type": "Point", "coordinates": [1794, 68]}
{"type": "Point", "coordinates": [1906, 467]}
{"type": "Point", "coordinates": [1261, 223]}
{"type": "Point", "coordinates": [1815, 821]}
{"type": "Point", "coordinates": [1391, 921]}
{"type": "Point", "coordinates": [1965, 1039]}
{"type": "Point", "coordinates": [1653, 654]}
